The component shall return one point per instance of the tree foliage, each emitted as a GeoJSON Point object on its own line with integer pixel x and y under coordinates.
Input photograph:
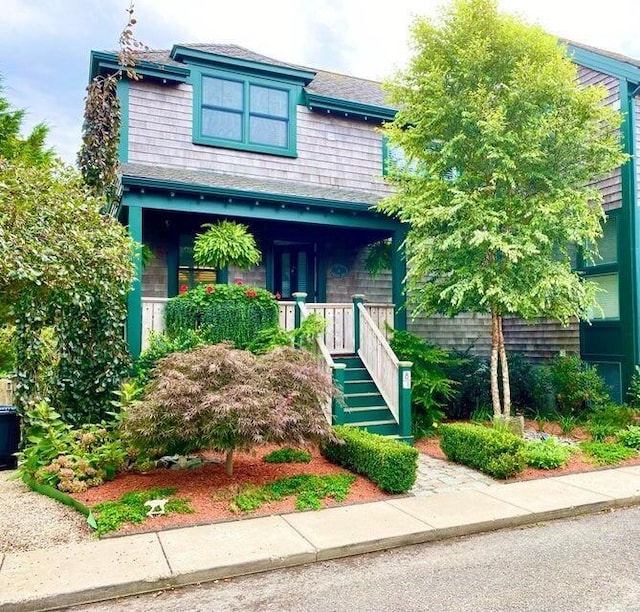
{"type": "Point", "coordinates": [64, 265]}
{"type": "Point", "coordinates": [226, 243]}
{"type": "Point", "coordinates": [222, 398]}
{"type": "Point", "coordinates": [502, 146]}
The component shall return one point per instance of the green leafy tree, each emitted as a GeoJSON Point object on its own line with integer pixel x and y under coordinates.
{"type": "Point", "coordinates": [501, 146]}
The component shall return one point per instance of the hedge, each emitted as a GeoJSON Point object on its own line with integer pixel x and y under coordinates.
{"type": "Point", "coordinates": [222, 312]}
{"type": "Point", "coordinates": [495, 452]}
{"type": "Point", "coordinates": [392, 465]}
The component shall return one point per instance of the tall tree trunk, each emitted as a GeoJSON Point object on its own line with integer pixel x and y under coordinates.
{"type": "Point", "coordinates": [506, 387]}
{"type": "Point", "coordinates": [495, 341]}
{"type": "Point", "coordinates": [228, 463]}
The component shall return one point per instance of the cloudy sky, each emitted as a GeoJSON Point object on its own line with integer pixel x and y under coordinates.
{"type": "Point", "coordinates": [45, 44]}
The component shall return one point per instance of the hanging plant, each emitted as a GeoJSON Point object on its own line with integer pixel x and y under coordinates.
{"type": "Point", "coordinates": [226, 243]}
{"type": "Point", "coordinates": [378, 258]}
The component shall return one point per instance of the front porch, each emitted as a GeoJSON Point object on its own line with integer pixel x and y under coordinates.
{"type": "Point", "coordinates": [353, 349]}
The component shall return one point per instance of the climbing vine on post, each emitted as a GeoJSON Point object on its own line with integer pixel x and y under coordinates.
{"type": "Point", "coordinates": [98, 155]}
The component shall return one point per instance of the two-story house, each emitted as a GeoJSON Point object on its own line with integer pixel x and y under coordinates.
{"type": "Point", "coordinates": [217, 131]}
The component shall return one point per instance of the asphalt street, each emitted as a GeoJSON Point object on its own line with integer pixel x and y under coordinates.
{"type": "Point", "coordinates": [583, 564]}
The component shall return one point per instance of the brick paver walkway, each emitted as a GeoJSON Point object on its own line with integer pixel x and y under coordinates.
{"type": "Point", "coordinates": [438, 476]}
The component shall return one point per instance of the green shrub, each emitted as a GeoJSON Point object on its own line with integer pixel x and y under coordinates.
{"type": "Point", "coordinates": [430, 386]}
{"type": "Point", "coordinates": [577, 386]}
{"type": "Point", "coordinates": [493, 451]}
{"type": "Point", "coordinates": [304, 336]}
{"type": "Point", "coordinates": [392, 465]}
{"type": "Point", "coordinates": [7, 350]}
{"type": "Point", "coordinates": [546, 454]}
{"type": "Point", "coordinates": [531, 390]}
{"type": "Point", "coordinates": [234, 313]}
{"type": "Point", "coordinates": [605, 453]}
{"type": "Point", "coordinates": [288, 454]}
{"type": "Point", "coordinates": [608, 420]}
{"type": "Point", "coordinates": [633, 392]}
{"type": "Point", "coordinates": [69, 459]}
{"type": "Point", "coordinates": [630, 437]}
{"type": "Point", "coordinates": [472, 377]}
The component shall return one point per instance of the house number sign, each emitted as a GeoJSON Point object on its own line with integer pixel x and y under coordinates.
{"type": "Point", "coordinates": [406, 380]}
{"type": "Point", "coordinates": [339, 270]}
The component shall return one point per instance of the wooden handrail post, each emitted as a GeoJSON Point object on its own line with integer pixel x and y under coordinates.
{"type": "Point", "coordinates": [337, 403]}
{"type": "Point", "coordinates": [404, 391]}
{"type": "Point", "coordinates": [299, 297]}
{"type": "Point", "coordinates": [358, 298]}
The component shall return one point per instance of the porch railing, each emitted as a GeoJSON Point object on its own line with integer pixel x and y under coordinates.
{"type": "Point", "coordinates": [152, 317]}
{"type": "Point", "coordinates": [392, 376]}
{"type": "Point", "coordinates": [333, 406]}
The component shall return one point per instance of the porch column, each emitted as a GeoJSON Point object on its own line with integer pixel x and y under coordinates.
{"type": "Point", "coordinates": [398, 273]}
{"type": "Point", "coordinates": [134, 300]}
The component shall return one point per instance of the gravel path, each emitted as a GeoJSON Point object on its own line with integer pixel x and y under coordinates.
{"type": "Point", "coordinates": [29, 521]}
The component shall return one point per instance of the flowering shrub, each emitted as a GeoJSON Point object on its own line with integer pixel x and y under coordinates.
{"type": "Point", "coordinates": [221, 312]}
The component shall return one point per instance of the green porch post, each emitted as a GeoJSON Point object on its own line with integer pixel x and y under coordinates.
{"type": "Point", "coordinates": [299, 297]}
{"type": "Point", "coordinates": [404, 391]}
{"type": "Point", "coordinates": [134, 300]}
{"type": "Point", "coordinates": [358, 298]}
{"type": "Point", "coordinates": [337, 403]}
{"type": "Point", "coordinates": [398, 274]}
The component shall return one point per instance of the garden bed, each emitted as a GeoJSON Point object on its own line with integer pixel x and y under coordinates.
{"type": "Point", "coordinates": [211, 491]}
{"type": "Point", "coordinates": [578, 462]}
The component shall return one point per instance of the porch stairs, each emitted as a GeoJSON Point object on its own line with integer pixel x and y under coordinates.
{"type": "Point", "coordinates": [365, 407]}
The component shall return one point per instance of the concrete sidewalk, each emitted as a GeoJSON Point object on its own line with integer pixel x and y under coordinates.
{"type": "Point", "coordinates": [67, 575]}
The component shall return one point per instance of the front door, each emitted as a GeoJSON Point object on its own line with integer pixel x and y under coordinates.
{"type": "Point", "coordinates": [294, 270]}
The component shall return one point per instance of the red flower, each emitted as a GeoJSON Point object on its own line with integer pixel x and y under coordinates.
{"type": "Point", "coordinates": [210, 289]}
{"type": "Point", "coordinates": [251, 293]}
{"type": "Point", "coordinates": [239, 281]}
{"type": "Point", "coordinates": [183, 288]}
{"type": "Point", "coordinates": [278, 296]}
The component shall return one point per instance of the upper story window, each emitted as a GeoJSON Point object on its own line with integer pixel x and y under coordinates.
{"type": "Point", "coordinates": [247, 113]}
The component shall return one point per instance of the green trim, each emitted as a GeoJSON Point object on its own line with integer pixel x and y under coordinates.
{"type": "Point", "coordinates": [293, 93]}
{"type": "Point", "coordinates": [134, 300]}
{"type": "Point", "coordinates": [191, 198]}
{"type": "Point", "coordinates": [357, 299]}
{"type": "Point", "coordinates": [349, 108]}
{"type": "Point", "coordinates": [123, 144]}
{"type": "Point", "coordinates": [404, 370]}
{"type": "Point", "coordinates": [103, 62]}
{"type": "Point", "coordinates": [185, 54]}
{"type": "Point", "coordinates": [337, 402]}
{"type": "Point", "coordinates": [603, 63]}
{"type": "Point", "coordinates": [398, 274]}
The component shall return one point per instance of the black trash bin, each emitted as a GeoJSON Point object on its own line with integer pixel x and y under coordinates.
{"type": "Point", "coordinates": [9, 437]}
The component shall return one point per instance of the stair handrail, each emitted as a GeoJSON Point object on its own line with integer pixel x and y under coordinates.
{"type": "Point", "coordinates": [334, 408]}
{"type": "Point", "coordinates": [391, 376]}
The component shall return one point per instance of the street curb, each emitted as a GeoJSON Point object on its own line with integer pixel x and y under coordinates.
{"type": "Point", "coordinates": [139, 587]}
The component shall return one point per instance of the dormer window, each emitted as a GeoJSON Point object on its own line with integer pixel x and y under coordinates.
{"type": "Point", "coordinates": [242, 112]}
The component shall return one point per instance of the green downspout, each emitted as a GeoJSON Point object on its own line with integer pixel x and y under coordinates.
{"type": "Point", "coordinates": [398, 274]}
{"type": "Point", "coordinates": [632, 218]}
{"type": "Point", "coordinates": [134, 300]}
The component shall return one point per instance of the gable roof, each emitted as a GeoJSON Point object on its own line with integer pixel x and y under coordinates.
{"type": "Point", "coordinates": [601, 60]}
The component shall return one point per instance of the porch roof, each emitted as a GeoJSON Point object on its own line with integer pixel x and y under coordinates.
{"type": "Point", "coordinates": [230, 185]}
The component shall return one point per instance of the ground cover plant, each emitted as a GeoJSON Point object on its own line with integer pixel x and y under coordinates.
{"type": "Point", "coordinates": [218, 397]}
{"type": "Point", "coordinates": [630, 437]}
{"type": "Point", "coordinates": [130, 508]}
{"type": "Point", "coordinates": [309, 490]}
{"type": "Point", "coordinates": [287, 454]}
{"type": "Point", "coordinates": [607, 453]}
{"type": "Point", "coordinates": [546, 454]}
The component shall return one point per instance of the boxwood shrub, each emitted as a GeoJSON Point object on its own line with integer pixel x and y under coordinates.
{"type": "Point", "coordinates": [493, 451]}
{"type": "Point", "coordinates": [392, 465]}
{"type": "Point", "coordinates": [222, 312]}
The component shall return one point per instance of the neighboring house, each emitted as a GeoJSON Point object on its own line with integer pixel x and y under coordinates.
{"type": "Point", "coordinates": [217, 131]}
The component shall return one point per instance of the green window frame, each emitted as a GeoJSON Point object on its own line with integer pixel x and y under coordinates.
{"type": "Point", "coordinates": [246, 113]}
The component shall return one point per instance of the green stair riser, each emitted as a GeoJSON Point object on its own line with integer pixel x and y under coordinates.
{"type": "Point", "coordinates": [356, 374]}
{"type": "Point", "coordinates": [364, 401]}
{"type": "Point", "coordinates": [359, 415]}
{"type": "Point", "coordinates": [350, 362]}
{"type": "Point", "coordinates": [360, 386]}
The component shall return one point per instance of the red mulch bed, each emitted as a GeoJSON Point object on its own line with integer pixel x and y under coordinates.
{"type": "Point", "coordinates": [210, 490]}
{"type": "Point", "coordinates": [577, 463]}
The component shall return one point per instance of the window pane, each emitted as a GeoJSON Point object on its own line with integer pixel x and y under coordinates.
{"type": "Point", "coordinates": [221, 124]}
{"type": "Point", "coordinates": [607, 244]}
{"type": "Point", "coordinates": [285, 280]}
{"type": "Point", "coordinates": [268, 131]}
{"type": "Point", "coordinates": [607, 298]}
{"type": "Point", "coordinates": [223, 93]}
{"type": "Point", "coordinates": [302, 271]}
{"type": "Point", "coordinates": [269, 101]}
